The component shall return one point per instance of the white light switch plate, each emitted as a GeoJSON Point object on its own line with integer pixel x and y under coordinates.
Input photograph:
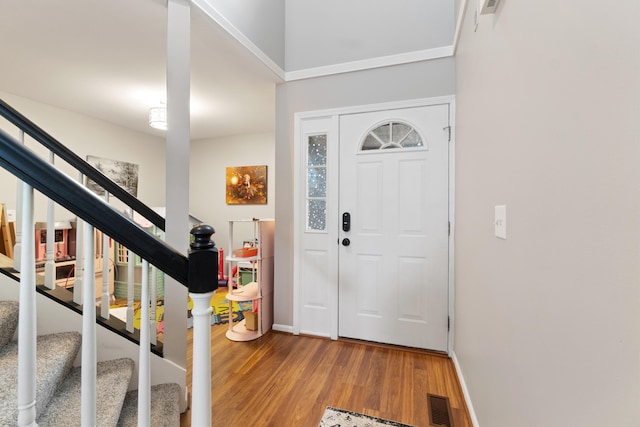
{"type": "Point", "coordinates": [500, 222]}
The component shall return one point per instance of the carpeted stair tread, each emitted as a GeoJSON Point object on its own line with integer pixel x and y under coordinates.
{"type": "Point", "coordinates": [8, 320]}
{"type": "Point", "coordinates": [113, 379]}
{"type": "Point", "coordinates": [165, 411]}
{"type": "Point", "coordinates": [55, 356]}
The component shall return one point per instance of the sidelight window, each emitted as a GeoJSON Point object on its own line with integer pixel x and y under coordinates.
{"type": "Point", "coordinates": [316, 193]}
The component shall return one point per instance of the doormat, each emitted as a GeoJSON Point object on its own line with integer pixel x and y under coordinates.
{"type": "Point", "coordinates": [334, 417]}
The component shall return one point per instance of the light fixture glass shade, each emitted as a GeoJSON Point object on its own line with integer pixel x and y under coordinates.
{"type": "Point", "coordinates": [158, 118]}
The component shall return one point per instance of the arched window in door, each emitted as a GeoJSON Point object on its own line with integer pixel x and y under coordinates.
{"type": "Point", "coordinates": [392, 135]}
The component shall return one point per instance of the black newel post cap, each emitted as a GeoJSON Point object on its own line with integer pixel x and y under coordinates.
{"type": "Point", "coordinates": [203, 261]}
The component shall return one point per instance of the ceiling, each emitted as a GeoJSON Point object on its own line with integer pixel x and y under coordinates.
{"type": "Point", "coordinates": [107, 59]}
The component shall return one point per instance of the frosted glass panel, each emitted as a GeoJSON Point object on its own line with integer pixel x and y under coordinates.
{"type": "Point", "coordinates": [317, 215]}
{"type": "Point", "coordinates": [383, 132]}
{"type": "Point", "coordinates": [317, 150]}
{"type": "Point", "coordinates": [399, 131]}
{"type": "Point", "coordinates": [371, 143]}
{"type": "Point", "coordinates": [317, 182]}
{"type": "Point", "coordinates": [412, 140]}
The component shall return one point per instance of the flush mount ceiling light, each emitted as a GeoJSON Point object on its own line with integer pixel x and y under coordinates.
{"type": "Point", "coordinates": [158, 117]}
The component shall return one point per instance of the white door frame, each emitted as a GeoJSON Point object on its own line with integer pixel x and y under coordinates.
{"type": "Point", "coordinates": [299, 187]}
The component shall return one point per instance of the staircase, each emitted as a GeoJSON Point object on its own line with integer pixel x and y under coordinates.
{"type": "Point", "coordinates": [58, 396]}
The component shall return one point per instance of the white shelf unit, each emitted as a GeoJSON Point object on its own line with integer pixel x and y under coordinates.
{"type": "Point", "coordinates": [260, 290]}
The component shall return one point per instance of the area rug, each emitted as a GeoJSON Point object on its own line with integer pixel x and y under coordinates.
{"type": "Point", "coordinates": [220, 308]}
{"type": "Point", "coordinates": [334, 417]}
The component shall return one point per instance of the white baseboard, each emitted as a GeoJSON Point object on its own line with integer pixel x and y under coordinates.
{"type": "Point", "coordinates": [282, 328]}
{"type": "Point", "coordinates": [465, 391]}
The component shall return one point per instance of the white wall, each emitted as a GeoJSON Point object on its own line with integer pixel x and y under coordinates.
{"type": "Point", "coordinates": [547, 322]}
{"type": "Point", "coordinates": [209, 160]}
{"type": "Point", "coordinates": [320, 33]}
{"type": "Point", "coordinates": [397, 83]}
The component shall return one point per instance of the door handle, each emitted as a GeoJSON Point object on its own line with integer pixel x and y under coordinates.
{"type": "Point", "coordinates": [346, 242]}
{"type": "Point", "coordinates": [346, 221]}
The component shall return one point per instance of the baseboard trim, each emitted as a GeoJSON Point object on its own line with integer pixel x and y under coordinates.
{"type": "Point", "coordinates": [465, 391]}
{"type": "Point", "coordinates": [282, 328]}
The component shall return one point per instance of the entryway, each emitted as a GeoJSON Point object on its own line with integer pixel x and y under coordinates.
{"type": "Point", "coordinates": [373, 244]}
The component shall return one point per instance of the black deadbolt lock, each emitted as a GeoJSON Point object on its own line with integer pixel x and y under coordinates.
{"type": "Point", "coordinates": [346, 221]}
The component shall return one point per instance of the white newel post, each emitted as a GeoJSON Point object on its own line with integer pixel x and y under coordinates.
{"type": "Point", "coordinates": [27, 316]}
{"type": "Point", "coordinates": [203, 281]}
{"type": "Point", "coordinates": [50, 264]}
{"type": "Point", "coordinates": [144, 368]}
{"type": "Point", "coordinates": [89, 358]}
{"type": "Point", "coordinates": [201, 368]}
{"type": "Point", "coordinates": [17, 248]}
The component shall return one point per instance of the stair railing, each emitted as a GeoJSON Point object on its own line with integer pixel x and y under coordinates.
{"type": "Point", "coordinates": [198, 272]}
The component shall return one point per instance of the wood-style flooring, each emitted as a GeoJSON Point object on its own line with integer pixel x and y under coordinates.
{"type": "Point", "coordinates": [287, 381]}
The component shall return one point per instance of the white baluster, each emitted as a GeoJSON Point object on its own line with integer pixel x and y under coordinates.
{"type": "Point", "coordinates": [17, 248]}
{"type": "Point", "coordinates": [77, 283]}
{"type": "Point", "coordinates": [89, 358]}
{"type": "Point", "coordinates": [201, 368]}
{"type": "Point", "coordinates": [27, 316]}
{"type": "Point", "coordinates": [106, 297]}
{"type": "Point", "coordinates": [154, 302]}
{"type": "Point", "coordinates": [131, 263]}
{"type": "Point", "coordinates": [78, 279]}
{"type": "Point", "coordinates": [50, 264]}
{"type": "Point", "coordinates": [144, 368]}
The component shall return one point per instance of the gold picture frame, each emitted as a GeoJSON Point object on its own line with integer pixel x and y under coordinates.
{"type": "Point", "coordinates": [246, 185]}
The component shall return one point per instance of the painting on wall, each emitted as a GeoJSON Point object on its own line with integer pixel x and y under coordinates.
{"type": "Point", "coordinates": [122, 173]}
{"type": "Point", "coordinates": [247, 185]}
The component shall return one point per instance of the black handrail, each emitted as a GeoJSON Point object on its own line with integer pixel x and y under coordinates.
{"type": "Point", "coordinates": [37, 133]}
{"type": "Point", "coordinates": [30, 168]}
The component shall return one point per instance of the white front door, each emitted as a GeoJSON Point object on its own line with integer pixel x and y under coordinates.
{"type": "Point", "coordinates": [394, 247]}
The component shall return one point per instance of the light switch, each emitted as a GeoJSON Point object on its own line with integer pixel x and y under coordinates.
{"type": "Point", "coordinates": [500, 222]}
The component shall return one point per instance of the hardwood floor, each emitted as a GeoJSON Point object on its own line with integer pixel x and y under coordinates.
{"type": "Point", "coordinates": [287, 381]}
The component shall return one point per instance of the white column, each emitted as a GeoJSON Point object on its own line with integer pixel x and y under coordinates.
{"type": "Point", "coordinates": [89, 358]}
{"type": "Point", "coordinates": [50, 264]}
{"type": "Point", "coordinates": [177, 172]}
{"type": "Point", "coordinates": [27, 316]}
{"type": "Point", "coordinates": [144, 365]}
{"type": "Point", "coordinates": [201, 369]}
{"type": "Point", "coordinates": [17, 248]}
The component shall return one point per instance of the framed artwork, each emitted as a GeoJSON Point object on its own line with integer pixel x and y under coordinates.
{"type": "Point", "coordinates": [247, 185]}
{"type": "Point", "coordinates": [122, 173]}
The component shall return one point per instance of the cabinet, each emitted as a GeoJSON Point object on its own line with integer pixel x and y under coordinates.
{"type": "Point", "coordinates": [257, 233]}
